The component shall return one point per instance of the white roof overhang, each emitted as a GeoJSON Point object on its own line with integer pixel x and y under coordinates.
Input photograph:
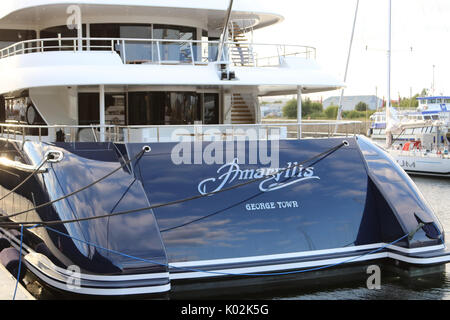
{"type": "Point", "coordinates": [208, 14]}
{"type": "Point", "coordinates": [94, 68]}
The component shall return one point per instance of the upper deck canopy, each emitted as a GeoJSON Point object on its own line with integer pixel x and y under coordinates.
{"type": "Point", "coordinates": [208, 14]}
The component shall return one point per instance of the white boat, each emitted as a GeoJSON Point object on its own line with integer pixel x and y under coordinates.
{"type": "Point", "coordinates": [415, 159]}
{"type": "Point", "coordinates": [432, 112]}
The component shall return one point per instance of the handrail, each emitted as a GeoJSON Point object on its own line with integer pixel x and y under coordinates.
{"type": "Point", "coordinates": [280, 124]}
{"type": "Point", "coordinates": [114, 45]}
{"type": "Point", "coordinates": [120, 133]}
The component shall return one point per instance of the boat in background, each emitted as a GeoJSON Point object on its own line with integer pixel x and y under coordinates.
{"type": "Point", "coordinates": [419, 142]}
{"type": "Point", "coordinates": [431, 114]}
{"type": "Point", "coordinates": [427, 154]}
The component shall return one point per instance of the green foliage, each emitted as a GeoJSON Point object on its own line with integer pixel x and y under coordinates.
{"type": "Point", "coordinates": [361, 106]}
{"type": "Point", "coordinates": [315, 111]}
{"type": "Point", "coordinates": [290, 109]}
{"type": "Point", "coordinates": [412, 103]}
{"type": "Point", "coordinates": [353, 115]}
{"type": "Point", "coordinates": [308, 108]}
{"type": "Point", "coordinates": [331, 112]}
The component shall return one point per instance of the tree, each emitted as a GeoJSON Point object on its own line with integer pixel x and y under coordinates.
{"type": "Point", "coordinates": [308, 108]}
{"type": "Point", "coordinates": [361, 106]}
{"type": "Point", "coordinates": [331, 112]}
{"type": "Point", "coordinates": [290, 109]}
{"type": "Point", "coordinates": [407, 103]}
{"type": "Point", "coordinates": [424, 93]}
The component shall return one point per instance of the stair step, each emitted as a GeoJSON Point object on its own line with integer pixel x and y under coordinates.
{"type": "Point", "coordinates": [242, 114]}
{"type": "Point", "coordinates": [241, 106]}
{"type": "Point", "coordinates": [241, 117]}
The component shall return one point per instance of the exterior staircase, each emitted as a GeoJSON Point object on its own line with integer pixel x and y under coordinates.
{"type": "Point", "coordinates": [240, 54]}
{"type": "Point", "coordinates": [240, 110]}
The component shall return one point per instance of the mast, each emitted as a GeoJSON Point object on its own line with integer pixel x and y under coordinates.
{"type": "Point", "coordinates": [388, 104]}
{"type": "Point", "coordinates": [339, 115]}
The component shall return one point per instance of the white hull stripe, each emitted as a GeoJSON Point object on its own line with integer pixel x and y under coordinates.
{"type": "Point", "coordinates": [303, 254]}
{"type": "Point", "coordinates": [308, 264]}
{"type": "Point", "coordinates": [100, 292]}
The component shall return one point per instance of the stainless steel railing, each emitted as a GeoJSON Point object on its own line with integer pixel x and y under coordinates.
{"type": "Point", "coordinates": [176, 133]}
{"type": "Point", "coordinates": [161, 51]}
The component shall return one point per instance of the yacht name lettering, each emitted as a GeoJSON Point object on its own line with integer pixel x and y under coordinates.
{"type": "Point", "coordinates": [271, 205]}
{"type": "Point", "coordinates": [276, 178]}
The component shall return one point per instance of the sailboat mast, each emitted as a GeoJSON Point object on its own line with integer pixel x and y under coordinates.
{"type": "Point", "coordinates": [388, 104]}
{"type": "Point", "coordinates": [339, 116]}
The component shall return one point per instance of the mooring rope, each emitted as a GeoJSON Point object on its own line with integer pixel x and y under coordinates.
{"type": "Point", "coordinates": [126, 163]}
{"type": "Point", "coordinates": [59, 222]}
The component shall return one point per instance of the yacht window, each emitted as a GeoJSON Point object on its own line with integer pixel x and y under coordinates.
{"type": "Point", "coordinates": [10, 37]}
{"type": "Point", "coordinates": [177, 52]}
{"type": "Point", "coordinates": [435, 117]}
{"type": "Point", "coordinates": [446, 101]}
{"type": "Point", "coordinates": [211, 108]}
{"type": "Point", "coordinates": [2, 109]}
{"type": "Point", "coordinates": [20, 110]}
{"type": "Point", "coordinates": [105, 30]}
{"type": "Point", "coordinates": [88, 109]}
{"type": "Point", "coordinates": [164, 108]}
{"type": "Point", "coordinates": [65, 32]}
{"type": "Point", "coordinates": [432, 101]}
{"type": "Point", "coordinates": [115, 109]}
{"type": "Point", "coordinates": [427, 117]}
{"type": "Point", "coordinates": [141, 51]}
{"type": "Point", "coordinates": [174, 32]}
{"type": "Point", "coordinates": [16, 109]}
{"type": "Point", "coordinates": [146, 108]}
{"type": "Point", "coordinates": [137, 51]}
{"type": "Point", "coordinates": [185, 108]}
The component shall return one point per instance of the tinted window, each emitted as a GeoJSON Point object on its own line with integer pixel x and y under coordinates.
{"type": "Point", "coordinates": [164, 108]}
{"type": "Point", "coordinates": [9, 37]}
{"type": "Point", "coordinates": [88, 109]}
{"type": "Point", "coordinates": [211, 108]}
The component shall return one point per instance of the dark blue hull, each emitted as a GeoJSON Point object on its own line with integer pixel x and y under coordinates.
{"type": "Point", "coordinates": [340, 210]}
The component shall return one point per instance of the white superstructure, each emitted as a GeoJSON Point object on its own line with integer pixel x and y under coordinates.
{"type": "Point", "coordinates": [143, 63]}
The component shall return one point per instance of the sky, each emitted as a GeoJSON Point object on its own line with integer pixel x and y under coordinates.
{"type": "Point", "coordinates": [420, 40]}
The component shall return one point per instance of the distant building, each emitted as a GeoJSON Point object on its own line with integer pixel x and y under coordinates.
{"type": "Point", "coordinates": [349, 102]}
{"type": "Point", "coordinates": [272, 110]}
